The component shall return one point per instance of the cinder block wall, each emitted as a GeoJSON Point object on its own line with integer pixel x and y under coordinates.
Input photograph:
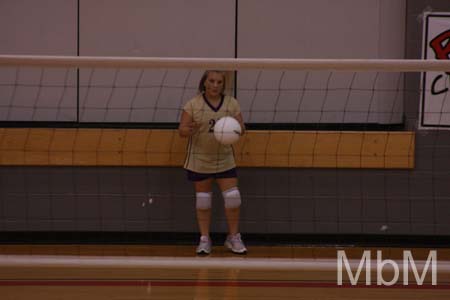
{"type": "Point", "coordinates": [281, 200]}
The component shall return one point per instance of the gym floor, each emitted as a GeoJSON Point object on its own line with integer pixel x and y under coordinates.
{"type": "Point", "coordinates": [174, 272]}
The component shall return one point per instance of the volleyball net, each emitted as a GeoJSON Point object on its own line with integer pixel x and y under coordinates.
{"type": "Point", "coordinates": [333, 146]}
{"type": "Point", "coordinates": [149, 90]}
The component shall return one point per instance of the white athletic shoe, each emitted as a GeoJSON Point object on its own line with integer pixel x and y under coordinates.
{"type": "Point", "coordinates": [235, 244]}
{"type": "Point", "coordinates": [204, 247]}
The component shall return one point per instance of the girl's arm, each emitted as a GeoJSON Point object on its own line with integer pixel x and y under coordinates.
{"type": "Point", "coordinates": [187, 125]}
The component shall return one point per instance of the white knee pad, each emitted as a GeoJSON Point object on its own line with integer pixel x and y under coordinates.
{"type": "Point", "coordinates": [203, 200]}
{"type": "Point", "coordinates": [232, 198]}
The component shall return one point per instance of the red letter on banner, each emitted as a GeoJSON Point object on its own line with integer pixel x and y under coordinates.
{"type": "Point", "coordinates": [437, 44]}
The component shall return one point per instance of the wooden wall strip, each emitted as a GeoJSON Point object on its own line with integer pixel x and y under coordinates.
{"type": "Point", "coordinates": [141, 147]}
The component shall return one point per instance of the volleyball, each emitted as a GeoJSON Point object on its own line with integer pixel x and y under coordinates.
{"type": "Point", "coordinates": [227, 130]}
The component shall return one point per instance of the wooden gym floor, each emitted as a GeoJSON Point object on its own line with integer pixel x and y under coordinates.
{"type": "Point", "coordinates": [128, 272]}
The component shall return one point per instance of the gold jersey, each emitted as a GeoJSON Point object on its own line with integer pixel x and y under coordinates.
{"type": "Point", "coordinates": [205, 154]}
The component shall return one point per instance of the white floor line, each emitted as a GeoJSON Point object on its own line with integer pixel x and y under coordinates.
{"type": "Point", "coordinates": [193, 263]}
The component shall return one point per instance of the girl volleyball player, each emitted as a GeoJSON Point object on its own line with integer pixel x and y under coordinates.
{"type": "Point", "coordinates": [207, 160]}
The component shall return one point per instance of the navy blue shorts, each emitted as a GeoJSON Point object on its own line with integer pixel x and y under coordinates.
{"type": "Point", "coordinates": [194, 176]}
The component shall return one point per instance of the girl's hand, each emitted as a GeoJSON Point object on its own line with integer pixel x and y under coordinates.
{"type": "Point", "coordinates": [187, 125]}
{"type": "Point", "coordinates": [192, 128]}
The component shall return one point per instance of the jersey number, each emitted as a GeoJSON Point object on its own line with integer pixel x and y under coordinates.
{"type": "Point", "coordinates": [212, 122]}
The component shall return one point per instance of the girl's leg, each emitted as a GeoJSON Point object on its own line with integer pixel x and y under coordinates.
{"type": "Point", "coordinates": [203, 215]}
{"type": "Point", "coordinates": [232, 200]}
{"type": "Point", "coordinates": [231, 213]}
